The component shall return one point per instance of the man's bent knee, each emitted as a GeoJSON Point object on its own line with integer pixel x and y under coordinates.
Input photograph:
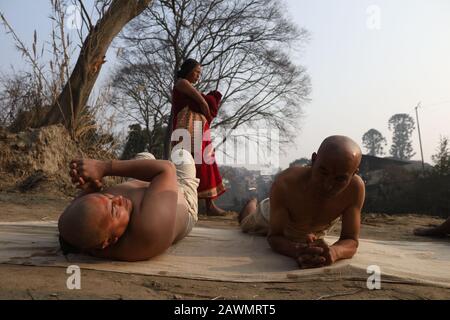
{"type": "Point", "coordinates": [144, 155]}
{"type": "Point", "coordinates": [181, 157]}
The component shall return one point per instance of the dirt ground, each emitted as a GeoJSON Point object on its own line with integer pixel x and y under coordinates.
{"type": "Point", "coordinates": [27, 282]}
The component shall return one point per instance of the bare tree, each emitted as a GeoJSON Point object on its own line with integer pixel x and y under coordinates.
{"type": "Point", "coordinates": [18, 91]}
{"type": "Point", "coordinates": [27, 96]}
{"type": "Point", "coordinates": [113, 16]}
{"type": "Point", "coordinates": [243, 46]}
{"type": "Point", "coordinates": [29, 92]}
{"type": "Point", "coordinates": [136, 100]}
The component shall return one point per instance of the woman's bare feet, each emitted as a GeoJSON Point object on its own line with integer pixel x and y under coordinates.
{"type": "Point", "coordinates": [249, 208]}
{"type": "Point", "coordinates": [213, 210]}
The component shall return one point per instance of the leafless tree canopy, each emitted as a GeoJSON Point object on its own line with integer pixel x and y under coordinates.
{"type": "Point", "coordinates": [244, 47]}
{"type": "Point", "coordinates": [136, 100]}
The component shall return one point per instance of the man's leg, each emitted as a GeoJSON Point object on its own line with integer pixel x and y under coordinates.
{"type": "Point", "coordinates": [250, 208]}
{"type": "Point", "coordinates": [187, 205]}
{"type": "Point", "coordinates": [438, 231]}
{"type": "Point", "coordinates": [187, 215]}
{"type": "Point", "coordinates": [144, 155]}
{"type": "Point", "coordinates": [254, 217]}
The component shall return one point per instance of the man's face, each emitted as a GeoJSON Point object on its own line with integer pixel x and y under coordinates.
{"type": "Point", "coordinates": [331, 174]}
{"type": "Point", "coordinates": [194, 75]}
{"type": "Point", "coordinates": [116, 211]}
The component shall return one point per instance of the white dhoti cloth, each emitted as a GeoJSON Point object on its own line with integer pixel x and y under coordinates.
{"type": "Point", "coordinates": [187, 183]}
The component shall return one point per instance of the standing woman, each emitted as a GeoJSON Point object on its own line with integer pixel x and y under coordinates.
{"type": "Point", "coordinates": [188, 106]}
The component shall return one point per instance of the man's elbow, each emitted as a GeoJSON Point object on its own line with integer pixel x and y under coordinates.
{"type": "Point", "coordinates": [353, 240]}
{"type": "Point", "coordinates": [170, 167]}
{"type": "Point", "coordinates": [155, 245]}
{"type": "Point", "coordinates": [349, 246]}
{"type": "Point", "coordinates": [352, 252]}
{"type": "Point", "coordinates": [355, 243]}
{"type": "Point", "coordinates": [167, 167]}
{"type": "Point", "coordinates": [353, 248]}
{"type": "Point", "coordinates": [142, 255]}
{"type": "Point", "coordinates": [273, 241]}
{"type": "Point", "coordinates": [154, 252]}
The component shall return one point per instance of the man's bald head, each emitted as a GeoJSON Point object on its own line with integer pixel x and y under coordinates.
{"type": "Point", "coordinates": [335, 164]}
{"type": "Point", "coordinates": [84, 224]}
{"type": "Point", "coordinates": [340, 148]}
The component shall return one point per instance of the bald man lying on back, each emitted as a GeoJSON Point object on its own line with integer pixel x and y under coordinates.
{"type": "Point", "coordinates": [305, 202]}
{"type": "Point", "coordinates": [135, 220]}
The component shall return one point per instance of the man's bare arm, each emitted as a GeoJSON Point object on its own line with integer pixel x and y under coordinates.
{"type": "Point", "coordinates": [142, 169]}
{"type": "Point", "coordinates": [128, 248]}
{"type": "Point", "coordinates": [278, 219]}
{"type": "Point", "coordinates": [347, 245]}
{"type": "Point", "coordinates": [154, 232]}
{"type": "Point", "coordinates": [286, 247]}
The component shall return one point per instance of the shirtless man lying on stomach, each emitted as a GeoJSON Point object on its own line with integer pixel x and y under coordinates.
{"type": "Point", "coordinates": [305, 202]}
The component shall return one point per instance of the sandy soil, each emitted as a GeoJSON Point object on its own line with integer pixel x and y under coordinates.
{"type": "Point", "coordinates": [26, 282]}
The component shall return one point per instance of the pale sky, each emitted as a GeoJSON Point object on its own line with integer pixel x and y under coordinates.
{"type": "Point", "coordinates": [361, 74]}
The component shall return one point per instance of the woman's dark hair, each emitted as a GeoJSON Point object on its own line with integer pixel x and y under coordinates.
{"type": "Point", "coordinates": [187, 67]}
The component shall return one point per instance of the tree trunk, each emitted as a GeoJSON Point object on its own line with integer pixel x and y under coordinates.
{"type": "Point", "coordinates": [168, 133]}
{"type": "Point", "coordinates": [168, 137]}
{"type": "Point", "coordinates": [75, 93]}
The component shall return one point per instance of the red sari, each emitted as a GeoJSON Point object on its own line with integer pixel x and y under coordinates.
{"type": "Point", "coordinates": [186, 111]}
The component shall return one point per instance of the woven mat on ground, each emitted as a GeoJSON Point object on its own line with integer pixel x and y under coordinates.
{"type": "Point", "coordinates": [230, 255]}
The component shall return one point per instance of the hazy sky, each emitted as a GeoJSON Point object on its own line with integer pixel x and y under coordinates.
{"type": "Point", "coordinates": [361, 76]}
{"type": "Point", "coordinates": [367, 60]}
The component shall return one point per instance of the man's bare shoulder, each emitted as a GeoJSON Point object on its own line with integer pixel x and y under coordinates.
{"type": "Point", "coordinates": [293, 176]}
{"type": "Point", "coordinates": [357, 188]}
{"type": "Point", "coordinates": [131, 188]}
{"type": "Point", "coordinates": [288, 181]}
{"type": "Point", "coordinates": [357, 183]}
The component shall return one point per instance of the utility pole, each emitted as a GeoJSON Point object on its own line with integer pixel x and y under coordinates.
{"type": "Point", "coordinates": [420, 138]}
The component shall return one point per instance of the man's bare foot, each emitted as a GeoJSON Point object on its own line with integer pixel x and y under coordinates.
{"type": "Point", "coordinates": [435, 232]}
{"type": "Point", "coordinates": [213, 210]}
{"type": "Point", "coordinates": [249, 207]}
